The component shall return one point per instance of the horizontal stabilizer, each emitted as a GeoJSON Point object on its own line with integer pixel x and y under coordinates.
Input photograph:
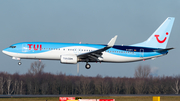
{"type": "Point", "coordinates": [161, 50]}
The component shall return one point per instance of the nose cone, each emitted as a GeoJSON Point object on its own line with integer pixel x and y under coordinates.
{"type": "Point", "coordinates": [4, 51]}
{"type": "Point", "coordinates": [7, 52]}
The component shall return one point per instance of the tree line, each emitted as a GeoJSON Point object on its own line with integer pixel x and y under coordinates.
{"type": "Point", "coordinates": [37, 82]}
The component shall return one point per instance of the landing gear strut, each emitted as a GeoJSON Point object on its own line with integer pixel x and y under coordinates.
{"type": "Point", "coordinates": [87, 66]}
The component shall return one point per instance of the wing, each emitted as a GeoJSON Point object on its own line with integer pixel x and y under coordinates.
{"type": "Point", "coordinates": [96, 55]}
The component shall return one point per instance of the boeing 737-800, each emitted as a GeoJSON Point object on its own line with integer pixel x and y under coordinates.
{"type": "Point", "coordinates": [70, 53]}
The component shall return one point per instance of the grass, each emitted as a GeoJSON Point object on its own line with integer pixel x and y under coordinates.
{"type": "Point", "coordinates": [117, 98]}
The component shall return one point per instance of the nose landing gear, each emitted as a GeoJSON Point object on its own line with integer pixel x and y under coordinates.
{"type": "Point", "coordinates": [19, 63]}
{"type": "Point", "coordinates": [15, 58]}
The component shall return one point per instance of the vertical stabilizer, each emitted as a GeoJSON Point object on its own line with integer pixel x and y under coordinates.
{"type": "Point", "coordinates": [159, 38]}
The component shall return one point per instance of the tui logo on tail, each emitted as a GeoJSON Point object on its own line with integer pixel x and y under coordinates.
{"type": "Point", "coordinates": [160, 40]}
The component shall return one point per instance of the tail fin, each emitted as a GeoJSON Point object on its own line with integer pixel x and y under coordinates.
{"type": "Point", "coordinates": [159, 38]}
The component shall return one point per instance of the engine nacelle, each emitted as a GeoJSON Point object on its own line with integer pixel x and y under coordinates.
{"type": "Point", "coordinates": [69, 59]}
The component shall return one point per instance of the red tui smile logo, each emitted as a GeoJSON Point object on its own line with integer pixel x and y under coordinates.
{"type": "Point", "coordinates": [160, 40]}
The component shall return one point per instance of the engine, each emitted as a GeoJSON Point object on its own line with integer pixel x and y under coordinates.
{"type": "Point", "coordinates": [69, 59]}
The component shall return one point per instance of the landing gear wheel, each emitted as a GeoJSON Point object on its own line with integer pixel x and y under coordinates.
{"type": "Point", "coordinates": [88, 66]}
{"type": "Point", "coordinates": [19, 63]}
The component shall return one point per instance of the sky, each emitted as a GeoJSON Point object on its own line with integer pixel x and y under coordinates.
{"type": "Point", "coordinates": [88, 21]}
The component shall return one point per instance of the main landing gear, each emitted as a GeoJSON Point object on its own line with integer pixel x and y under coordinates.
{"type": "Point", "coordinates": [87, 66]}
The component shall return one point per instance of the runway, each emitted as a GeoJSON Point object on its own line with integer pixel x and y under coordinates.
{"type": "Point", "coordinates": [34, 96]}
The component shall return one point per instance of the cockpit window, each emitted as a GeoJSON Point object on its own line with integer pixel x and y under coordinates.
{"type": "Point", "coordinates": [12, 47]}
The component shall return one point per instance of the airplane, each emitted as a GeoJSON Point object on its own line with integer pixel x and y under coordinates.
{"type": "Point", "coordinates": [72, 53]}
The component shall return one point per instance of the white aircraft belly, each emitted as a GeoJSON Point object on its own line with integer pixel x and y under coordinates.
{"type": "Point", "coordinates": [107, 57]}
{"type": "Point", "coordinates": [45, 55]}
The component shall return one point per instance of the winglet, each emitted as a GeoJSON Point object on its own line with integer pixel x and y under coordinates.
{"type": "Point", "coordinates": [112, 41]}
